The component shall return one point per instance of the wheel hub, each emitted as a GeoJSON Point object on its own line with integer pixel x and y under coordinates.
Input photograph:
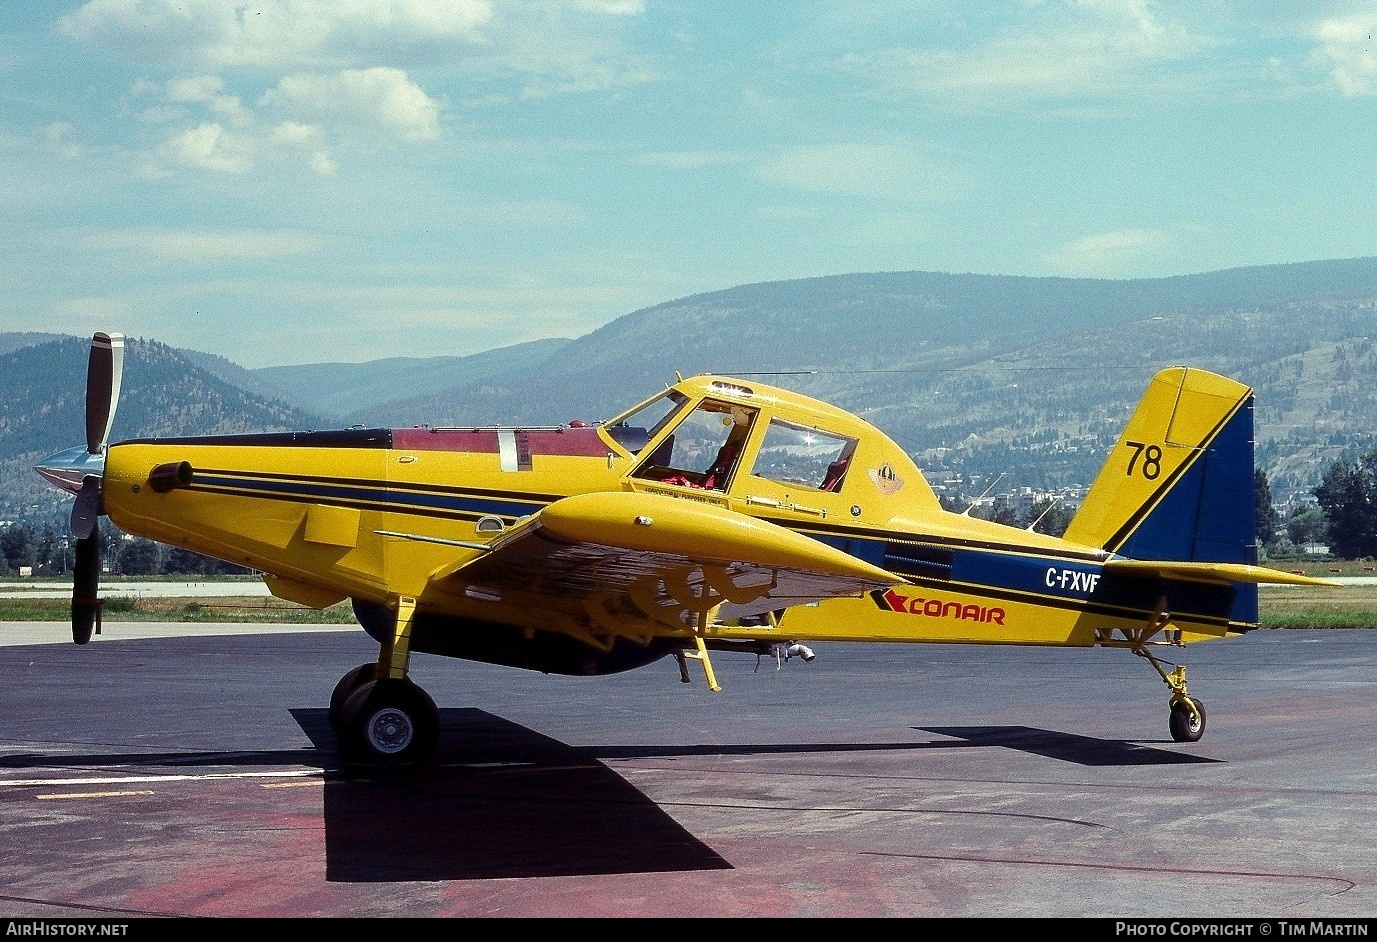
{"type": "Point", "coordinates": [390, 731]}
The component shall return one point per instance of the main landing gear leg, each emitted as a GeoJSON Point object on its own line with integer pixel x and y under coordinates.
{"type": "Point", "coordinates": [381, 716]}
{"type": "Point", "coordinates": [699, 653]}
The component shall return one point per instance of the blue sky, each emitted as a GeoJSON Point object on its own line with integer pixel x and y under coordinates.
{"type": "Point", "coordinates": [306, 181]}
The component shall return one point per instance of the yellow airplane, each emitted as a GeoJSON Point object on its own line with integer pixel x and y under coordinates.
{"type": "Point", "coordinates": [718, 515]}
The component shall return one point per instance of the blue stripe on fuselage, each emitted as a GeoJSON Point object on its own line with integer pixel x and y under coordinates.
{"type": "Point", "coordinates": [1047, 580]}
{"type": "Point", "coordinates": [363, 492]}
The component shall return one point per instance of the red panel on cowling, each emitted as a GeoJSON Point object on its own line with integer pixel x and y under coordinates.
{"type": "Point", "coordinates": [573, 440]}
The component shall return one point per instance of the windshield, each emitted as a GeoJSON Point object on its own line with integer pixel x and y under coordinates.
{"type": "Point", "coordinates": [635, 428]}
{"type": "Point", "coordinates": [703, 449]}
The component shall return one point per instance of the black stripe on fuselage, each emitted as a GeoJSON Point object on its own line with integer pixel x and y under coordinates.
{"type": "Point", "coordinates": [329, 438]}
{"type": "Point", "coordinates": [386, 486]}
{"type": "Point", "coordinates": [928, 540]}
{"type": "Point", "coordinates": [365, 494]}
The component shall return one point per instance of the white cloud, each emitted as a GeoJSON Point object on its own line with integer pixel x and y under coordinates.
{"type": "Point", "coordinates": [210, 147]}
{"type": "Point", "coordinates": [1107, 253]}
{"type": "Point", "coordinates": [329, 64]}
{"type": "Point", "coordinates": [295, 137]}
{"type": "Point", "coordinates": [317, 112]}
{"type": "Point", "coordinates": [689, 159]}
{"type": "Point", "coordinates": [199, 245]}
{"type": "Point", "coordinates": [59, 137]}
{"type": "Point", "coordinates": [282, 34]}
{"type": "Point", "coordinates": [1347, 53]}
{"type": "Point", "coordinates": [615, 7]}
{"type": "Point", "coordinates": [875, 171]}
{"type": "Point", "coordinates": [372, 101]}
{"type": "Point", "coordinates": [208, 90]}
{"type": "Point", "coordinates": [1064, 49]}
{"type": "Point", "coordinates": [322, 164]}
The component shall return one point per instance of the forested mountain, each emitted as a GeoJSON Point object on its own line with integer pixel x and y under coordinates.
{"type": "Point", "coordinates": [351, 390]}
{"type": "Point", "coordinates": [985, 375]}
{"type": "Point", "coordinates": [43, 409]}
{"type": "Point", "coordinates": [974, 374]}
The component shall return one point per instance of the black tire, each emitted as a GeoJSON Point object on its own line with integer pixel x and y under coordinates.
{"type": "Point", "coordinates": [1184, 725]}
{"type": "Point", "coordinates": [345, 688]}
{"type": "Point", "coordinates": [389, 723]}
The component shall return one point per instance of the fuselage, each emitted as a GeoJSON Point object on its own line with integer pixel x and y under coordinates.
{"type": "Point", "coordinates": [371, 514]}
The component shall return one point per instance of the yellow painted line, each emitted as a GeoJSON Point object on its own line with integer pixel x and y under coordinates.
{"type": "Point", "coordinates": [90, 795]}
{"type": "Point", "coordinates": [149, 779]}
{"type": "Point", "coordinates": [292, 784]}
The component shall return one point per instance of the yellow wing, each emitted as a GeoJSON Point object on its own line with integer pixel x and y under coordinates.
{"type": "Point", "coordinates": [622, 558]}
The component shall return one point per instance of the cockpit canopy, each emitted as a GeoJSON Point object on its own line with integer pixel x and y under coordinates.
{"type": "Point", "coordinates": [707, 442]}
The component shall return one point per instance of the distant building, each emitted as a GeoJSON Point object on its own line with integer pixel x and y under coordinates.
{"type": "Point", "coordinates": [1315, 549]}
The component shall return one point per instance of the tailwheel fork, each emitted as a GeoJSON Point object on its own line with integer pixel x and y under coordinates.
{"type": "Point", "coordinates": [1185, 714]}
{"type": "Point", "coordinates": [386, 718]}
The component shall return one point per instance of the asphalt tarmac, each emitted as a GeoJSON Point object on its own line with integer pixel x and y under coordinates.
{"type": "Point", "coordinates": [180, 771]}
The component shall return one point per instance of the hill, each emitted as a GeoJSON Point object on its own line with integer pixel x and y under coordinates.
{"type": "Point", "coordinates": [43, 408]}
{"type": "Point", "coordinates": [983, 375]}
{"type": "Point", "coordinates": [853, 328]}
{"type": "Point", "coordinates": [347, 389]}
{"type": "Point", "coordinates": [975, 375]}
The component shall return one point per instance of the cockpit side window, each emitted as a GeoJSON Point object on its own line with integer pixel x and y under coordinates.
{"type": "Point", "coordinates": [804, 457]}
{"type": "Point", "coordinates": [634, 430]}
{"type": "Point", "coordinates": [704, 449]}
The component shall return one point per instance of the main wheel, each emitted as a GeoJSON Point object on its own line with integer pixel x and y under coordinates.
{"type": "Point", "coordinates": [389, 722]}
{"type": "Point", "coordinates": [346, 687]}
{"type": "Point", "coordinates": [1185, 725]}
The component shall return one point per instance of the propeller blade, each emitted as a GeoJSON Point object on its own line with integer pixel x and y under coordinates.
{"type": "Point", "coordinates": [85, 586]}
{"type": "Point", "coordinates": [86, 508]}
{"type": "Point", "coordinates": [103, 373]}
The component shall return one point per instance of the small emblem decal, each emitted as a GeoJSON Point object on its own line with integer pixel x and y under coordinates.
{"type": "Point", "coordinates": [885, 479]}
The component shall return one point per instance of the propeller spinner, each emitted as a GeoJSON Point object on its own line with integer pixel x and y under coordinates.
{"type": "Point", "coordinates": [81, 470]}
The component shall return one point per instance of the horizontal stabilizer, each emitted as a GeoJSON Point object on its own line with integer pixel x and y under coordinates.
{"type": "Point", "coordinates": [1213, 572]}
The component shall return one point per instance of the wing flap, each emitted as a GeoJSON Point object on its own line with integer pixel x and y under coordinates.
{"type": "Point", "coordinates": [615, 556]}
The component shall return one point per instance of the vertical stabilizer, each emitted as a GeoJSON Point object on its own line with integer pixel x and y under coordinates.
{"type": "Point", "coordinates": [1178, 484]}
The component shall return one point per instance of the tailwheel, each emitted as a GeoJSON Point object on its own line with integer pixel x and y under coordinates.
{"type": "Point", "coordinates": [349, 683]}
{"type": "Point", "coordinates": [1187, 725]}
{"type": "Point", "coordinates": [389, 722]}
{"type": "Point", "coordinates": [1185, 714]}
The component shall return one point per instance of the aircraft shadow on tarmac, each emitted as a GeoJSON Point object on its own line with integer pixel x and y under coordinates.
{"type": "Point", "coordinates": [505, 801]}
{"type": "Point", "coordinates": [1068, 747]}
{"type": "Point", "coordinates": [501, 800]}
{"type": "Point", "coordinates": [498, 801]}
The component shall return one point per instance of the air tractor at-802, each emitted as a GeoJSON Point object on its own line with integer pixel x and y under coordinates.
{"type": "Point", "coordinates": [718, 515]}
